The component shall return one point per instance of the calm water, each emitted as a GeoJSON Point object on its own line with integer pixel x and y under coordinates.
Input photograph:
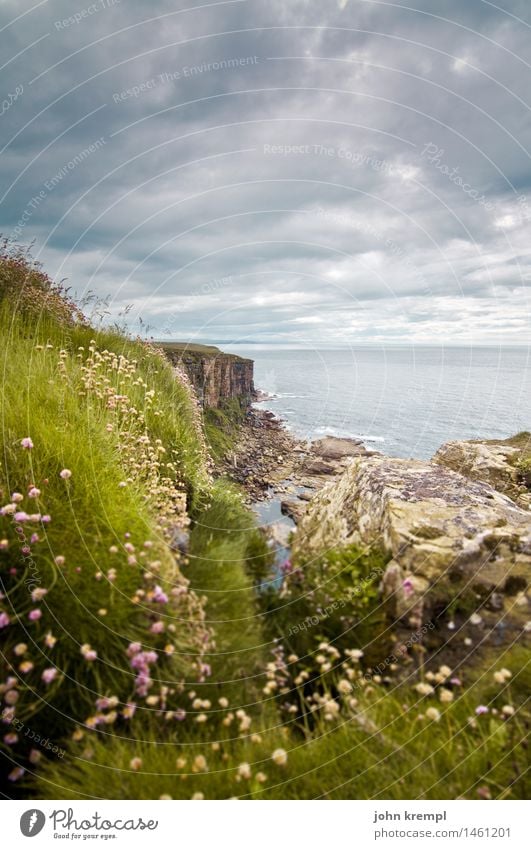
{"type": "Point", "coordinates": [402, 401]}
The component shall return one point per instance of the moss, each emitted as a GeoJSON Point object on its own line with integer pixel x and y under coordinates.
{"type": "Point", "coordinates": [222, 427]}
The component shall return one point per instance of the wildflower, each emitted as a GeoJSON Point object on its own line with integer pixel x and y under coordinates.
{"type": "Point", "coordinates": [157, 628]}
{"type": "Point", "coordinates": [507, 710]}
{"type": "Point", "coordinates": [280, 757]}
{"type": "Point", "coordinates": [481, 709]}
{"type": "Point", "coordinates": [135, 763]}
{"type": "Point", "coordinates": [34, 492]}
{"type": "Point", "coordinates": [244, 771]}
{"type": "Point", "coordinates": [165, 796]}
{"type": "Point", "coordinates": [408, 587]}
{"type": "Point", "coordinates": [445, 670]}
{"type": "Point", "coordinates": [423, 688]}
{"type": "Point", "coordinates": [49, 675]}
{"type": "Point", "coordinates": [223, 702]}
{"type": "Point", "coordinates": [344, 687]}
{"type": "Point", "coordinates": [198, 796]}
{"type": "Point", "coordinates": [50, 640]}
{"type": "Point", "coordinates": [34, 615]}
{"type": "Point", "coordinates": [65, 474]}
{"type": "Point", "coordinates": [17, 497]}
{"type": "Point", "coordinates": [11, 697]}
{"type": "Point", "coordinates": [433, 714]}
{"type": "Point", "coordinates": [484, 792]}
{"type": "Point", "coordinates": [11, 738]}
{"type": "Point", "coordinates": [200, 764]}
{"type": "Point", "coordinates": [26, 443]}
{"type": "Point", "coordinates": [38, 593]}
{"type": "Point", "coordinates": [261, 777]}
{"type": "Point", "coordinates": [88, 652]}
{"type": "Point", "coordinates": [25, 667]}
{"type": "Point", "coordinates": [445, 695]}
{"type": "Point", "coordinates": [475, 619]}
{"type": "Point", "coordinates": [180, 763]}
{"type": "Point", "coordinates": [501, 676]}
{"type": "Point", "coordinates": [20, 649]}
{"type": "Point", "coordinates": [16, 773]}
{"type": "Point", "coordinates": [129, 710]}
{"type": "Point", "coordinates": [34, 756]}
{"type": "Point", "coordinates": [4, 620]}
{"type": "Point", "coordinates": [59, 560]}
{"type": "Point", "coordinates": [202, 717]}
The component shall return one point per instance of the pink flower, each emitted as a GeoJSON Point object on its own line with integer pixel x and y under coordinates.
{"type": "Point", "coordinates": [4, 620]}
{"type": "Point", "coordinates": [21, 516]}
{"type": "Point", "coordinates": [10, 739]}
{"type": "Point", "coordinates": [34, 492]}
{"type": "Point", "coordinates": [49, 675]}
{"type": "Point", "coordinates": [159, 595]}
{"type": "Point", "coordinates": [26, 443]}
{"type": "Point", "coordinates": [65, 474]}
{"type": "Point", "coordinates": [38, 593]}
{"type": "Point", "coordinates": [481, 709]}
{"type": "Point", "coordinates": [16, 773]}
{"type": "Point", "coordinates": [34, 615]}
{"type": "Point", "coordinates": [157, 628]}
{"type": "Point", "coordinates": [408, 587]}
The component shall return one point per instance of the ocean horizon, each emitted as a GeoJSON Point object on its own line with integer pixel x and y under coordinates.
{"type": "Point", "coordinates": [404, 401]}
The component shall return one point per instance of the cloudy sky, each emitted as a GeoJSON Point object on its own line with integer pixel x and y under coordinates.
{"type": "Point", "coordinates": [319, 172]}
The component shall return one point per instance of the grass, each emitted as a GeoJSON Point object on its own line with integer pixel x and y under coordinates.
{"type": "Point", "coordinates": [155, 664]}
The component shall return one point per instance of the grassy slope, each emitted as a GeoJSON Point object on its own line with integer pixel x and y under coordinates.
{"type": "Point", "coordinates": [380, 746]}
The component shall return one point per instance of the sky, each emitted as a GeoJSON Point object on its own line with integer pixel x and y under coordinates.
{"type": "Point", "coordinates": [296, 172]}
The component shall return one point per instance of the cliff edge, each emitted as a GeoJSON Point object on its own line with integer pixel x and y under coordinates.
{"type": "Point", "coordinates": [217, 377]}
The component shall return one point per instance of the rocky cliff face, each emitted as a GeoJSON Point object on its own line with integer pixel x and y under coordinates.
{"type": "Point", "coordinates": [494, 462]}
{"type": "Point", "coordinates": [217, 377]}
{"type": "Point", "coordinates": [445, 535]}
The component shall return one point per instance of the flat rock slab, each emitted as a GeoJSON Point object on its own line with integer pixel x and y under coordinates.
{"type": "Point", "coordinates": [335, 448]}
{"type": "Point", "coordinates": [441, 530]}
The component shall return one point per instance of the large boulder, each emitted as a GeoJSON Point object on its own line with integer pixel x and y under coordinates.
{"type": "Point", "coordinates": [492, 462]}
{"type": "Point", "coordinates": [442, 532]}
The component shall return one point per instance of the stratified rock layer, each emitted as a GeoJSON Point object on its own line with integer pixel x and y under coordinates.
{"type": "Point", "coordinates": [442, 531]}
{"type": "Point", "coordinates": [491, 462]}
{"type": "Point", "coordinates": [216, 377]}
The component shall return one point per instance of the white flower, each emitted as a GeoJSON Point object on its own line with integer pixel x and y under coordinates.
{"type": "Point", "coordinates": [433, 714]}
{"type": "Point", "coordinates": [507, 710]}
{"type": "Point", "coordinates": [244, 770]}
{"type": "Point", "coordinates": [344, 687]}
{"type": "Point", "coordinates": [445, 695]}
{"type": "Point", "coordinates": [424, 689]}
{"type": "Point", "coordinates": [280, 757]}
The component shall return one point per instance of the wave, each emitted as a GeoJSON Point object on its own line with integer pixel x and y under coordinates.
{"type": "Point", "coordinates": [345, 434]}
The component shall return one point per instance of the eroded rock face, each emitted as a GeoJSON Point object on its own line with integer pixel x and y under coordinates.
{"type": "Point", "coordinates": [216, 377]}
{"type": "Point", "coordinates": [491, 462]}
{"type": "Point", "coordinates": [442, 531]}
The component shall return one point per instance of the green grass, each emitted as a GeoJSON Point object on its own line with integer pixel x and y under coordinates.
{"type": "Point", "coordinates": [233, 680]}
{"type": "Point", "coordinates": [384, 748]}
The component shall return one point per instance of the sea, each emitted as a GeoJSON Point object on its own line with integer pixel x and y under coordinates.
{"type": "Point", "coordinates": [401, 401]}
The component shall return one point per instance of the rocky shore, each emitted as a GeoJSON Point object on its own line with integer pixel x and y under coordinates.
{"type": "Point", "coordinates": [456, 530]}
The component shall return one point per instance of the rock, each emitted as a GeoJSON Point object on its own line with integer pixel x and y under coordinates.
{"type": "Point", "coordinates": [491, 462]}
{"type": "Point", "coordinates": [318, 467]}
{"type": "Point", "coordinates": [295, 509]}
{"type": "Point", "coordinates": [280, 533]}
{"type": "Point", "coordinates": [335, 448]}
{"type": "Point", "coordinates": [442, 531]}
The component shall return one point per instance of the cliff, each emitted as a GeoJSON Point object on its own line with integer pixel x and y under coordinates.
{"type": "Point", "coordinates": [217, 377]}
